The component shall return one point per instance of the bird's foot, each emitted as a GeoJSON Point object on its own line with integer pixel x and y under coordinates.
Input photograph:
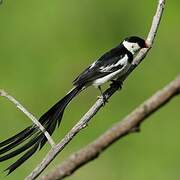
{"type": "Point", "coordinates": [104, 99]}
{"type": "Point", "coordinates": [117, 84]}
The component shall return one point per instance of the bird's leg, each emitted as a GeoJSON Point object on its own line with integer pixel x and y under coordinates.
{"type": "Point", "coordinates": [102, 96]}
{"type": "Point", "coordinates": [116, 83]}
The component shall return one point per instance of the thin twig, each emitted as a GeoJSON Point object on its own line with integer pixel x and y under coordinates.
{"type": "Point", "coordinates": [99, 103]}
{"type": "Point", "coordinates": [128, 125]}
{"type": "Point", "coordinates": [28, 114]}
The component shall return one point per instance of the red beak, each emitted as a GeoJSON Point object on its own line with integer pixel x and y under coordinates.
{"type": "Point", "coordinates": [146, 45]}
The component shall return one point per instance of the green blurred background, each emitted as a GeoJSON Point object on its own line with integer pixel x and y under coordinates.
{"type": "Point", "coordinates": [45, 44]}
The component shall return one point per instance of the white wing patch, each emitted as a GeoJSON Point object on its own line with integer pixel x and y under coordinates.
{"type": "Point", "coordinates": [115, 74]}
{"type": "Point", "coordinates": [122, 62]}
{"type": "Point", "coordinates": [92, 65]}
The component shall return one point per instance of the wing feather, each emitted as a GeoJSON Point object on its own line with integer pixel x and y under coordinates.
{"type": "Point", "coordinates": [107, 64]}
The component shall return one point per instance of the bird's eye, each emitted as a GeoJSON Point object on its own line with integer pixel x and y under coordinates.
{"type": "Point", "coordinates": [132, 46]}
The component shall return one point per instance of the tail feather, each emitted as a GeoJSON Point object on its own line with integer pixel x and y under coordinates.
{"type": "Point", "coordinates": [38, 144]}
{"type": "Point", "coordinates": [16, 142]}
{"type": "Point", "coordinates": [21, 160]}
{"type": "Point", "coordinates": [50, 120]}
{"type": "Point", "coordinates": [21, 149]}
{"type": "Point", "coordinates": [51, 129]}
{"type": "Point", "coordinates": [17, 136]}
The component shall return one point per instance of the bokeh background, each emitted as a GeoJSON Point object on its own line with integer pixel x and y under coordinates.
{"type": "Point", "coordinates": [45, 44]}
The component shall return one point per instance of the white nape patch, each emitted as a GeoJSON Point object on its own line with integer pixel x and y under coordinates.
{"type": "Point", "coordinates": [132, 47]}
{"type": "Point", "coordinates": [122, 62]}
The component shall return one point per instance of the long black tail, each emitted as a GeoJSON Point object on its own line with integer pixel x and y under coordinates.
{"type": "Point", "coordinates": [34, 139]}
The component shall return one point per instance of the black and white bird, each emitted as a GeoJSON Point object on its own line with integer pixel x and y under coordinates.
{"type": "Point", "coordinates": [112, 65]}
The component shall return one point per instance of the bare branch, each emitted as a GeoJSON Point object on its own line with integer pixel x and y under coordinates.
{"type": "Point", "coordinates": [99, 103]}
{"type": "Point", "coordinates": [128, 125]}
{"type": "Point", "coordinates": [29, 115]}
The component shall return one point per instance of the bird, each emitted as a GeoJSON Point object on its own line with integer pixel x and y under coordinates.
{"type": "Point", "coordinates": [109, 67]}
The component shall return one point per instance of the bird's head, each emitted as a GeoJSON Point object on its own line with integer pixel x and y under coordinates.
{"type": "Point", "coordinates": [134, 44]}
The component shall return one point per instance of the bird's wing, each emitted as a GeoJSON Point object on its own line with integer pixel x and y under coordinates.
{"type": "Point", "coordinates": [107, 64]}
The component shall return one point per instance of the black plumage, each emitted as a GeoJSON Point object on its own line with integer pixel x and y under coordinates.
{"type": "Point", "coordinates": [34, 137]}
{"type": "Point", "coordinates": [107, 67]}
{"type": "Point", "coordinates": [108, 59]}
